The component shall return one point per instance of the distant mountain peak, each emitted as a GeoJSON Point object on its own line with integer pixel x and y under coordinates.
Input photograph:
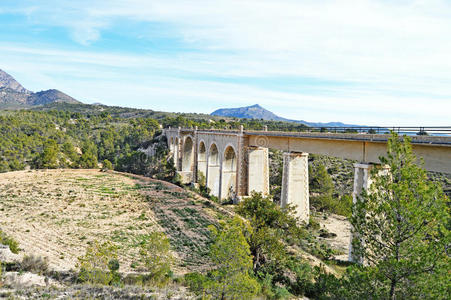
{"type": "Point", "coordinates": [258, 112]}
{"type": "Point", "coordinates": [7, 81]}
{"type": "Point", "coordinates": [251, 112]}
{"type": "Point", "coordinates": [255, 106]}
{"type": "Point", "coordinates": [14, 95]}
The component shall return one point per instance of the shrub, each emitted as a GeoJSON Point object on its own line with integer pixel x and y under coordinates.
{"type": "Point", "coordinates": [196, 282]}
{"type": "Point", "coordinates": [107, 165]}
{"type": "Point", "coordinates": [201, 179]}
{"type": "Point", "coordinates": [95, 265]}
{"type": "Point", "coordinates": [9, 241]}
{"type": "Point", "coordinates": [113, 266]}
{"type": "Point", "coordinates": [157, 257]}
{"type": "Point", "coordinates": [35, 264]}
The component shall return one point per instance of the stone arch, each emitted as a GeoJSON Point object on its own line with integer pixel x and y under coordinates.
{"type": "Point", "coordinates": [202, 158]}
{"type": "Point", "coordinates": [229, 167]}
{"type": "Point", "coordinates": [213, 155]}
{"type": "Point", "coordinates": [213, 170]}
{"type": "Point", "coordinates": [188, 155]}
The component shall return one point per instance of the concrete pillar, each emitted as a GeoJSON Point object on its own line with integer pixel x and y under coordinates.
{"type": "Point", "coordinates": [242, 161]}
{"type": "Point", "coordinates": [177, 154]}
{"type": "Point", "coordinates": [362, 181]}
{"type": "Point", "coordinates": [196, 156]}
{"type": "Point", "coordinates": [295, 183]}
{"type": "Point", "coordinates": [187, 160]}
{"type": "Point", "coordinates": [258, 170]}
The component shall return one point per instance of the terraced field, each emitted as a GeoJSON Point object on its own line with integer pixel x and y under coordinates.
{"type": "Point", "coordinates": [57, 213]}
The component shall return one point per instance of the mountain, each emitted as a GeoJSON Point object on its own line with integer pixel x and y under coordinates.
{"type": "Point", "coordinates": [8, 82]}
{"type": "Point", "coordinates": [50, 96]}
{"type": "Point", "coordinates": [14, 95]}
{"type": "Point", "coordinates": [249, 112]}
{"type": "Point", "coordinates": [258, 112]}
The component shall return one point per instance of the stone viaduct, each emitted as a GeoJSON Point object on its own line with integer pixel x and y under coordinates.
{"type": "Point", "coordinates": [235, 163]}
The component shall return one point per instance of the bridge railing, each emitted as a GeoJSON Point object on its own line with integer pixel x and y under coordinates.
{"type": "Point", "coordinates": [408, 130]}
{"type": "Point", "coordinates": [426, 130]}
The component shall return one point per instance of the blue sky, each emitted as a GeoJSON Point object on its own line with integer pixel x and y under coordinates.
{"type": "Point", "coordinates": [359, 62]}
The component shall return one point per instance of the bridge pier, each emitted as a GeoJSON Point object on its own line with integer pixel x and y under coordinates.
{"type": "Point", "coordinates": [362, 182]}
{"type": "Point", "coordinates": [175, 153]}
{"type": "Point", "coordinates": [295, 183]}
{"type": "Point", "coordinates": [242, 172]}
{"type": "Point", "coordinates": [258, 170]}
{"type": "Point", "coordinates": [188, 160]}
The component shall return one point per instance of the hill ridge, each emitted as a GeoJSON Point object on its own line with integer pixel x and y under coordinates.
{"type": "Point", "coordinates": [14, 95]}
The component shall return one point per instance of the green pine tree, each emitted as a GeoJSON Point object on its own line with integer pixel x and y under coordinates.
{"type": "Point", "coordinates": [231, 254]}
{"type": "Point", "coordinates": [401, 222]}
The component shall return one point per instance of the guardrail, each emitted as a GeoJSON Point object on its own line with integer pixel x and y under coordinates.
{"type": "Point", "coordinates": [408, 130]}
{"type": "Point", "coordinates": [383, 130]}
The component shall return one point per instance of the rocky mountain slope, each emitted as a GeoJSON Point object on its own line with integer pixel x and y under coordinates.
{"type": "Point", "coordinates": [14, 95]}
{"type": "Point", "coordinates": [7, 81]}
{"type": "Point", "coordinates": [257, 112]}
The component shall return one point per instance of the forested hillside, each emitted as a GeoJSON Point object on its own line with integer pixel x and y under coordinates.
{"type": "Point", "coordinates": [80, 136]}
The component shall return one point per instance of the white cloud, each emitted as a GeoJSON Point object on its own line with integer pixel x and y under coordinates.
{"type": "Point", "coordinates": [388, 55]}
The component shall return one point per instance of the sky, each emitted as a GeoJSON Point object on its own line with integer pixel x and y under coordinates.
{"type": "Point", "coordinates": [385, 63]}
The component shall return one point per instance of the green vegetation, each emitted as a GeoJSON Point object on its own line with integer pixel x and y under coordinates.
{"type": "Point", "coordinates": [231, 277]}
{"type": "Point", "coordinates": [402, 224]}
{"type": "Point", "coordinates": [157, 258]}
{"type": "Point", "coordinates": [9, 241]}
{"type": "Point", "coordinates": [63, 135]}
{"type": "Point", "coordinates": [272, 230]}
{"type": "Point", "coordinates": [322, 190]}
{"type": "Point", "coordinates": [99, 264]}
{"type": "Point", "coordinates": [35, 264]}
{"type": "Point", "coordinates": [402, 236]}
{"type": "Point", "coordinates": [232, 257]}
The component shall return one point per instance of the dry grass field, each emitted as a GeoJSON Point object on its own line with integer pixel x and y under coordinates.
{"type": "Point", "coordinates": [57, 213]}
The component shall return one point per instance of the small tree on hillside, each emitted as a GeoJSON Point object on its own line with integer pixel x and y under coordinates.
{"type": "Point", "coordinates": [401, 222]}
{"type": "Point", "coordinates": [321, 186]}
{"type": "Point", "coordinates": [157, 257]}
{"type": "Point", "coordinates": [96, 266]}
{"type": "Point", "coordinates": [88, 158]}
{"type": "Point", "coordinates": [230, 253]}
{"type": "Point", "coordinates": [48, 159]}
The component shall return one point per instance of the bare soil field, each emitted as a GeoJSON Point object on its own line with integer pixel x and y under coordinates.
{"type": "Point", "coordinates": [57, 213]}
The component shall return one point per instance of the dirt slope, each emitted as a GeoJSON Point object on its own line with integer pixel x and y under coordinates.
{"type": "Point", "coordinates": [57, 213]}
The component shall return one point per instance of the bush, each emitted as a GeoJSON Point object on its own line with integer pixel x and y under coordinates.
{"type": "Point", "coordinates": [35, 264]}
{"type": "Point", "coordinates": [96, 265]}
{"type": "Point", "coordinates": [196, 282]}
{"type": "Point", "coordinates": [157, 257]}
{"type": "Point", "coordinates": [340, 206]}
{"type": "Point", "coordinates": [9, 241]}
{"type": "Point", "coordinates": [107, 165]}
